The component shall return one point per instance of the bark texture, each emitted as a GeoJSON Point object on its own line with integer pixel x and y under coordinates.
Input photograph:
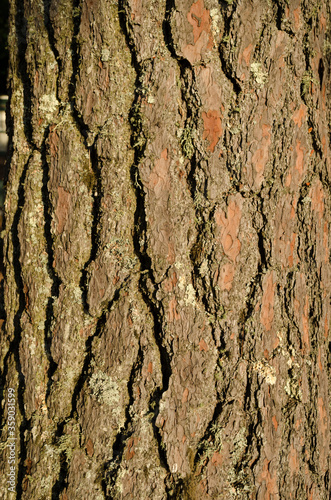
{"type": "Point", "coordinates": [167, 249]}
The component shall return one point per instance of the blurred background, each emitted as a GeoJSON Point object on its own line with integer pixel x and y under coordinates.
{"type": "Point", "coordinates": [4, 13]}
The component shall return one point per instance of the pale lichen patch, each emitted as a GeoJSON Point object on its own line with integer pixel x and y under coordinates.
{"type": "Point", "coordinates": [266, 371]}
{"type": "Point", "coordinates": [105, 54]}
{"type": "Point", "coordinates": [215, 24]}
{"type": "Point", "coordinates": [190, 296]}
{"type": "Point", "coordinates": [292, 389]}
{"type": "Point", "coordinates": [204, 268]}
{"type": "Point", "coordinates": [48, 105]}
{"type": "Point", "coordinates": [259, 75]}
{"type": "Point", "coordinates": [106, 391]}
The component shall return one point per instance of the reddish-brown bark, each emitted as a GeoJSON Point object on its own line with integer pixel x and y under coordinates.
{"type": "Point", "coordinates": [167, 249]}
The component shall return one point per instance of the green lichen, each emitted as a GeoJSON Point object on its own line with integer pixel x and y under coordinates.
{"type": "Point", "coordinates": [76, 11]}
{"type": "Point", "coordinates": [65, 445]}
{"type": "Point", "coordinates": [327, 48]}
{"type": "Point", "coordinates": [186, 142]}
{"type": "Point", "coordinates": [292, 389]}
{"type": "Point", "coordinates": [307, 80]}
{"type": "Point", "coordinates": [89, 179]}
{"type": "Point", "coordinates": [213, 444]}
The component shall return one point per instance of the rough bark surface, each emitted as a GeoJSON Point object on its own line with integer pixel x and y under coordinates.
{"type": "Point", "coordinates": [167, 249]}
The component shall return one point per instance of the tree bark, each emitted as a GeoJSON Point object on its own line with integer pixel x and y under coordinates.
{"type": "Point", "coordinates": [167, 263]}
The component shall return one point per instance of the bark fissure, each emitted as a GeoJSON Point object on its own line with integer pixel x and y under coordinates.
{"type": "Point", "coordinates": [21, 29]}
{"type": "Point", "coordinates": [112, 468]}
{"type": "Point", "coordinates": [56, 281]}
{"type": "Point", "coordinates": [15, 343]}
{"type": "Point", "coordinates": [167, 249]}
{"type": "Point", "coordinates": [147, 283]}
{"type": "Point", "coordinates": [95, 235]}
{"type": "Point", "coordinates": [228, 9]}
{"type": "Point", "coordinates": [74, 50]}
{"type": "Point", "coordinates": [60, 483]}
{"type": "Point", "coordinates": [51, 38]}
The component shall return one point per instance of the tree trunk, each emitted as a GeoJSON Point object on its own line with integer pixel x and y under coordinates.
{"type": "Point", "coordinates": [167, 263]}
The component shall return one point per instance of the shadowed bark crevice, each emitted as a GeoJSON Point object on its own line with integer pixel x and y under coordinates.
{"type": "Point", "coordinates": [14, 348]}
{"type": "Point", "coordinates": [111, 468]}
{"type": "Point", "coordinates": [61, 481]}
{"type": "Point", "coordinates": [148, 287]}
{"type": "Point", "coordinates": [86, 368]}
{"type": "Point", "coordinates": [209, 438]}
{"type": "Point", "coordinates": [51, 37]}
{"type": "Point", "coordinates": [21, 33]}
{"type": "Point", "coordinates": [74, 49]}
{"type": "Point", "coordinates": [147, 283]}
{"type": "Point", "coordinates": [228, 9]}
{"type": "Point", "coordinates": [56, 281]}
{"type": "Point", "coordinates": [173, 339]}
{"type": "Point", "coordinates": [96, 212]}
{"type": "Point", "coordinates": [196, 176]}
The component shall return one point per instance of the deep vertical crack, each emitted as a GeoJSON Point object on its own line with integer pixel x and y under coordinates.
{"type": "Point", "coordinates": [61, 481]}
{"type": "Point", "coordinates": [85, 373]}
{"type": "Point", "coordinates": [111, 468]}
{"type": "Point", "coordinates": [147, 284]}
{"type": "Point", "coordinates": [15, 343]}
{"type": "Point", "coordinates": [100, 324]}
{"type": "Point", "coordinates": [51, 271]}
{"type": "Point", "coordinates": [19, 23]}
{"type": "Point", "coordinates": [51, 38]}
{"type": "Point", "coordinates": [21, 40]}
{"type": "Point", "coordinates": [75, 69]}
{"type": "Point", "coordinates": [227, 11]}
{"type": "Point", "coordinates": [204, 211]}
{"type": "Point", "coordinates": [147, 288]}
{"type": "Point", "coordinates": [96, 212]}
